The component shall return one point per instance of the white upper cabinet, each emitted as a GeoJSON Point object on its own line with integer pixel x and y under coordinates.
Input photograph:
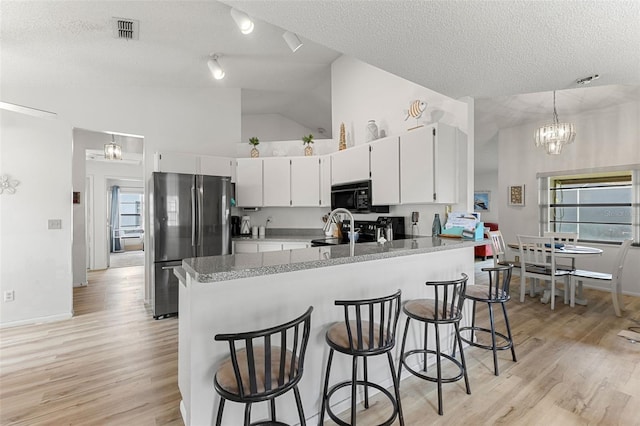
{"type": "Point", "coordinates": [217, 166]}
{"type": "Point", "coordinates": [350, 165]}
{"type": "Point", "coordinates": [325, 181]}
{"type": "Point", "coordinates": [249, 182]}
{"type": "Point", "coordinates": [305, 181]}
{"type": "Point", "coordinates": [428, 165]}
{"type": "Point", "coordinates": [175, 162]}
{"type": "Point", "coordinates": [276, 182]}
{"type": "Point", "coordinates": [385, 171]}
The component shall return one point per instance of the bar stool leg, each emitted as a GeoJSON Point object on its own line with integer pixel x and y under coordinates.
{"type": "Point", "coordinates": [326, 388]}
{"type": "Point", "coordinates": [404, 340]}
{"type": "Point", "coordinates": [426, 339]}
{"type": "Point", "coordinates": [493, 340]}
{"type": "Point", "coordinates": [463, 362]}
{"type": "Point", "coordinates": [439, 369]}
{"type": "Point", "coordinates": [506, 321]}
{"type": "Point", "coordinates": [366, 381]}
{"type": "Point", "coordinates": [396, 387]}
{"type": "Point", "coordinates": [354, 379]}
{"type": "Point", "coordinates": [273, 410]}
{"type": "Point", "coordinates": [220, 408]}
{"type": "Point", "coordinates": [247, 414]}
{"type": "Point", "coordinates": [473, 322]}
{"type": "Point", "coordinates": [296, 393]}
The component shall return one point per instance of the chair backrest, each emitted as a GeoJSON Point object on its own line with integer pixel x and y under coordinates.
{"type": "Point", "coordinates": [499, 282]}
{"type": "Point", "coordinates": [498, 246]}
{"type": "Point", "coordinates": [275, 354]}
{"type": "Point", "coordinates": [618, 265]}
{"type": "Point", "coordinates": [568, 238]}
{"type": "Point", "coordinates": [371, 323]}
{"type": "Point", "coordinates": [537, 253]}
{"type": "Point", "coordinates": [448, 298]}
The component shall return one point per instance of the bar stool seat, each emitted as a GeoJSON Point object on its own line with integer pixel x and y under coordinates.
{"type": "Point", "coordinates": [496, 292]}
{"type": "Point", "coordinates": [368, 330]}
{"type": "Point", "coordinates": [444, 309]}
{"type": "Point", "coordinates": [263, 365]}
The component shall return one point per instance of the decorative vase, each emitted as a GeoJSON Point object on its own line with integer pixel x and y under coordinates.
{"type": "Point", "coordinates": [372, 131]}
{"type": "Point", "coordinates": [308, 150]}
{"type": "Point", "coordinates": [255, 153]}
{"type": "Point", "coordinates": [343, 139]}
{"type": "Point", "coordinates": [436, 228]}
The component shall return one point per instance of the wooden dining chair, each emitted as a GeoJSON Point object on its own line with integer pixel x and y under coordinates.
{"type": "Point", "coordinates": [614, 279]}
{"type": "Point", "coordinates": [538, 260]}
{"type": "Point", "coordinates": [568, 239]}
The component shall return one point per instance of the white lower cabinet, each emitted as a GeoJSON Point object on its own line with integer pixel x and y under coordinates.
{"type": "Point", "coordinates": [267, 246]}
{"type": "Point", "coordinates": [245, 247]}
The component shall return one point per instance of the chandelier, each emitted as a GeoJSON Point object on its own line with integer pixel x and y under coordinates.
{"type": "Point", "coordinates": [553, 137]}
{"type": "Point", "coordinates": [112, 151]}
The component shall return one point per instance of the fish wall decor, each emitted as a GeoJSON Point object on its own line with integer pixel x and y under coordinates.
{"type": "Point", "coordinates": [416, 108]}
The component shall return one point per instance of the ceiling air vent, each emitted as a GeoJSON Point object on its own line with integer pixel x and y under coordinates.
{"type": "Point", "coordinates": [127, 29]}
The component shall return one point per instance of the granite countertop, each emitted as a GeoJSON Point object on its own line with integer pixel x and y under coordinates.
{"type": "Point", "coordinates": [244, 265]}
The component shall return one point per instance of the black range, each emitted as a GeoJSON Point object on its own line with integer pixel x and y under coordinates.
{"type": "Point", "coordinates": [366, 231]}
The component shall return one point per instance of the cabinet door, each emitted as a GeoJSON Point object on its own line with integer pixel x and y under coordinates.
{"type": "Point", "coordinates": [305, 181]}
{"type": "Point", "coordinates": [176, 162]}
{"type": "Point", "coordinates": [416, 166]}
{"type": "Point", "coordinates": [245, 247]}
{"type": "Point", "coordinates": [249, 182]}
{"type": "Point", "coordinates": [215, 166]}
{"type": "Point", "coordinates": [276, 182]}
{"type": "Point", "coordinates": [385, 171]}
{"type": "Point", "coordinates": [350, 165]}
{"type": "Point", "coordinates": [445, 164]}
{"type": "Point", "coordinates": [325, 181]}
{"type": "Point", "coordinates": [295, 245]}
{"type": "Point", "coordinates": [269, 246]}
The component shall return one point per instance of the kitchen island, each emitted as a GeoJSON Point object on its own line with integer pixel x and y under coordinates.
{"type": "Point", "coordinates": [243, 292]}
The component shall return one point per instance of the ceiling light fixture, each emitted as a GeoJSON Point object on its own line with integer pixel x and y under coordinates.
{"type": "Point", "coordinates": [587, 80]}
{"type": "Point", "coordinates": [112, 151]}
{"type": "Point", "coordinates": [553, 137]}
{"type": "Point", "coordinates": [242, 21]}
{"type": "Point", "coordinates": [215, 68]}
{"type": "Point", "coordinates": [292, 40]}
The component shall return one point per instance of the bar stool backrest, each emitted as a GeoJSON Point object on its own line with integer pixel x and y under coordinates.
{"type": "Point", "coordinates": [381, 312]}
{"type": "Point", "coordinates": [267, 362]}
{"type": "Point", "coordinates": [448, 299]}
{"type": "Point", "coordinates": [499, 281]}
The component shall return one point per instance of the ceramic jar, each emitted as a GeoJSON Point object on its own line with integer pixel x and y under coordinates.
{"type": "Point", "coordinates": [372, 131]}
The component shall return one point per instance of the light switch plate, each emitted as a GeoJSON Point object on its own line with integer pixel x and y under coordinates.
{"type": "Point", "coordinates": [55, 224]}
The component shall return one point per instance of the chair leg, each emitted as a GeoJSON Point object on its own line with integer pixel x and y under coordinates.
{"type": "Point", "coordinates": [493, 340]}
{"type": "Point", "coordinates": [506, 321]}
{"type": "Point", "coordinates": [473, 323]}
{"type": "Point", "coordinates": [615, 294]}
{"type": "Point", "coordinates": [553, 292]}
{"type": "Point", "coordinates": [523, 284]}
{"type": "Point", "coordinates": [462, 360]}
{"type": "Point", "coordinates": [354, 378]}
{"type": "Point", "coordinates": [572, 292]}
{"type": "Point", "coordinates": [220, 409]}
{"type": "Point", "coordinates": [247, 414]}
{"type": "Point", "coordinates": [439, 370]}
{"type": "Point", "coordinates": [404, 341]}
{"type": "Point", "coordinates": [326, 388]}
{"type": "Point", "coordinates": [272, 403]}
{"type": "Point", "coordinates": [296, 393]}
{"type": "Point", "coordinates": [396, 387]}
{"type": "Point", "coordinates": [366, 381]}
{"type": "Point", "coordinates": [426, 339]}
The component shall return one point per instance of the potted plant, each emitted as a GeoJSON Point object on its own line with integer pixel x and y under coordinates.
{"type": "Point", "coordinates": [254, 141]}
{"type": "Point", "coordinates": [308, 140]}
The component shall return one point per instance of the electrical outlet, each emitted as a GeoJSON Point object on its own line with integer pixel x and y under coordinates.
{"type": "Point", "coordinates": [9, 296]}
{"type": "Point", "coordinates": [54, 224]}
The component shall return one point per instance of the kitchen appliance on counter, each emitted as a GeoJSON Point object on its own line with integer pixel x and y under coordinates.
{"type": "Point", "coordinates": [368, 231]}
{"type": "Point", "coordinates": [245, 227]}
{"type": "Point", "coordinates": [355, 197]}
{"type": "Point", "coordinates": [190, 215]}
{"type": "Point", "coordinates": [235, 226]}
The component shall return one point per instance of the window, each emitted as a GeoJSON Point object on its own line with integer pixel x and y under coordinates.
{"type": "Point", "coordinates": [131, 212]}
{"type": "Point", "coordinates": [600, 207]}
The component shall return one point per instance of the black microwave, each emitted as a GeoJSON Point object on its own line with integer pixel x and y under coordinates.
{"type": "Point", "coordinates": [355, 197]}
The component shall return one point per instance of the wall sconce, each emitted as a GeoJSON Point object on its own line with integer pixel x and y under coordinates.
{"type": "Point", "coordinates": [215, 68]}
{"type": "Point", "coordinates": [292, 40]}
{"type": "Point", "coordinates": [244, 23]}
{"type": "Point", "coordinates": [8, 185]}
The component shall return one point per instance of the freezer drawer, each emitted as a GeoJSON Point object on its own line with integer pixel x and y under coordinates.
{"type": "Point", "coordinates": [165, 289]}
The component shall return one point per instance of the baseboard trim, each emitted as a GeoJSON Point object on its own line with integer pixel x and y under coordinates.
{"type": "Point", "coordinates": [39, 320]}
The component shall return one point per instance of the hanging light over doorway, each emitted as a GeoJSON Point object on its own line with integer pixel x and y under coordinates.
{"type": "Point", "coordinates": [112, 151]}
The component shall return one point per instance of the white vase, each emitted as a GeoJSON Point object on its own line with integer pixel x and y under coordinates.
{"type": "Point", "coordinates": [372, 131]}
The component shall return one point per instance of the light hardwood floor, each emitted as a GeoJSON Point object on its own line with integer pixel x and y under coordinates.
{"type": "Point", "coordinates": [112, 364]}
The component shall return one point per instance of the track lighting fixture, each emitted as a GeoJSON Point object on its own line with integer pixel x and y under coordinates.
{"type": "Point", "coordinates": [292, 40]}
{"type": "Point", "coordinates": [242, 21]}
{"type": "Point", "coordinates": [215, 68]}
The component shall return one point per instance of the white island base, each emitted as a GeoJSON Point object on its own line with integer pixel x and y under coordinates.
{"type": "Point", "coordinates": [233, 305]}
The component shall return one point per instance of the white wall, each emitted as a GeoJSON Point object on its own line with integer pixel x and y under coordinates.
{"type": "Point", "coordinates": [198, 120]}
{"type": "Point", "coordinates": [607, 137]}
{"type": "Point", "coordinates": [273, 127]}
{"type": "Point", "coordinates": [35, 262]}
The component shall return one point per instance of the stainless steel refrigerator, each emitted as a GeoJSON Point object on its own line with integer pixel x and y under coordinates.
{"type": "Point", "coordinates": [191, 218]}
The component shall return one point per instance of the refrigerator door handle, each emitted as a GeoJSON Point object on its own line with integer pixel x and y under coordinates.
{"type": "Point", "coordinates": [169, 267]}
{"type": "Point", "coordinates": [200, 208]}
{"type": "Point", "coordinates": [193, 215]}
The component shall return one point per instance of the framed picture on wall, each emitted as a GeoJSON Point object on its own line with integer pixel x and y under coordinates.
{"type": "Point", "coordinates": [481, 201]}
{"type": "Point", "coordinates": [516, 195]}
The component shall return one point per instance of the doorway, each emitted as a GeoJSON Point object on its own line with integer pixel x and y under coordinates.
{"type": "Point", "coordinates": [126, 222]}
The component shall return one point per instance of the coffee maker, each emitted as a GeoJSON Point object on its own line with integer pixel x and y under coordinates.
{"type": "Point", "coordinates": [245, 225]}
{"type": "Point", "coordinates": [235, 226]}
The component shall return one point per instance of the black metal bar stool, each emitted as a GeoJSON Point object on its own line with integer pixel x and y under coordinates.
{"type": "Point", "coordinates": [369, 329]}
{"type": "Point", "coordinates": [263, 365]}
{"type": "Point", "coordinates": [444, 309]}
{"type": "Point", "coordinates": [496, 292]}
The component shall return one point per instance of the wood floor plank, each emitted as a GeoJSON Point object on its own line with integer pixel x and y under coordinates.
{"type": "Point", "coordinates": [112, 364]}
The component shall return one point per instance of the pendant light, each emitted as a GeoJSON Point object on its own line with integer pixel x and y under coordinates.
{"type": "Point", "coordinates": [112, 151]}
{"type": "Point", "coordinates": [554, 136]}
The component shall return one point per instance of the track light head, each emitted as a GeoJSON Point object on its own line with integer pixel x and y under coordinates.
{"type": "Point", "coordinates": [292, 40]}
{"type": "Point", "coordinates": [215, 68]}
{"type": "Point", "coordinates": [244, 23]}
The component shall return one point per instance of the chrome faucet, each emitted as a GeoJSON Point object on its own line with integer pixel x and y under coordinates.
{"type": "Point", "coordinates": [352, 239]}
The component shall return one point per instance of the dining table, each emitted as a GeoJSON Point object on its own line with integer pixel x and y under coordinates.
{"type": "Point", "coordinates": [569, 251]}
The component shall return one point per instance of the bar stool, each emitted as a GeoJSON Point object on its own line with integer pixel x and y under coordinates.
{"type": "Point", "coordinates": [369, 329]}
{"type": "Point", "coordinates": [263, 365]}
{"type": "Point", "coordinates": [496, 292]}
{"type": "Point", "coordinates": [444, 309]}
